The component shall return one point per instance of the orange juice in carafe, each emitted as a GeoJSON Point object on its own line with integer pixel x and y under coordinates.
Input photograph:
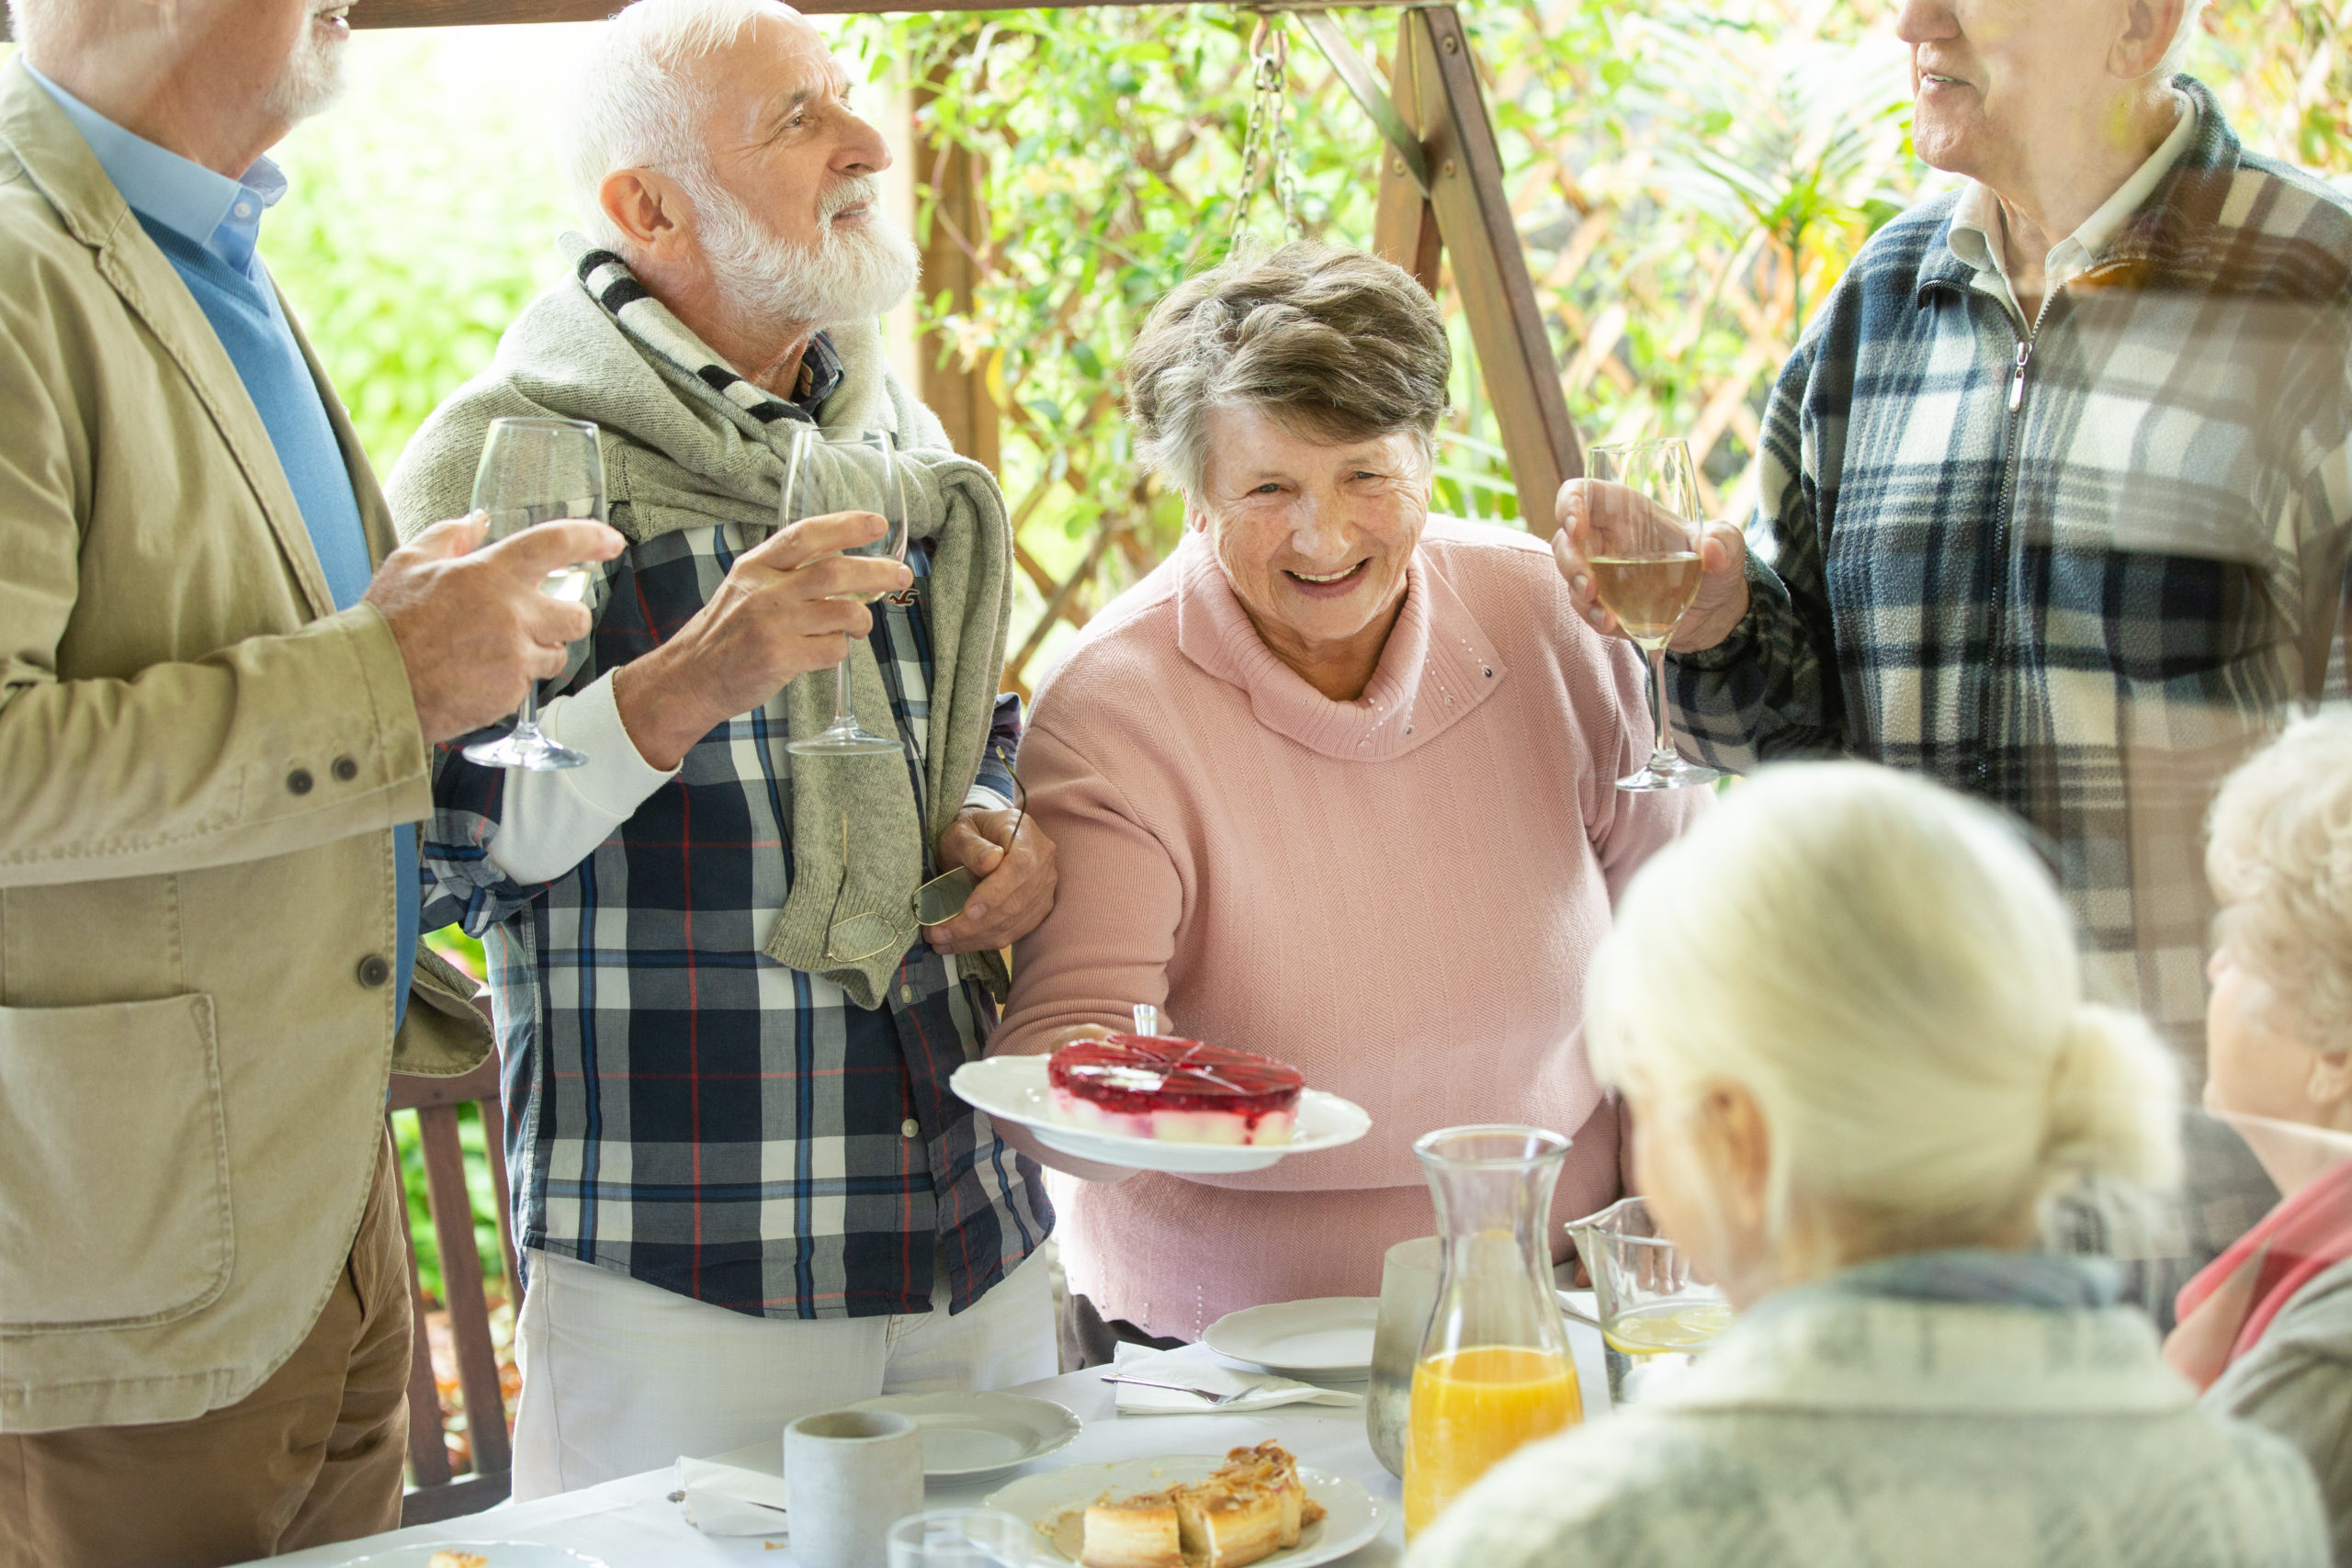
{"type": "Point", "coordinates": [1494, 1370]}
{"type": "Point", "coordinates": [1471, 1408]}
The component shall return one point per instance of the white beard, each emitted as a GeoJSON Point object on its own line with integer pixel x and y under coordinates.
{"type": "Point", "coordinates": [313, 78]}
{"type": "Point", "coordinates": [851, 274]}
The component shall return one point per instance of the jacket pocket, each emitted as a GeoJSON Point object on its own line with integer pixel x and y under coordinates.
{"type": "Point", "coordinates": [114, 1164]}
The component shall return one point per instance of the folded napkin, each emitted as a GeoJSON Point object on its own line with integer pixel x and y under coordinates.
{"type": "Point", "coordinates": [1176, 1366]}
{"type": "Point", "coordinates": [721, 1499]}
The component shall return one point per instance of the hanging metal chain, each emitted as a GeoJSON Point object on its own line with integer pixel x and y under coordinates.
{"type": "Point", "coordinates": [1268, 137]}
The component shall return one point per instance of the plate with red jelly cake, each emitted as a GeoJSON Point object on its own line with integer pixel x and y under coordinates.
{"type": "Point", "coordinates": [1155, 1103]}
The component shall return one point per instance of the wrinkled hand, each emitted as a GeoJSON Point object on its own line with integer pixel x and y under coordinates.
{"type": "Point", "coordinates": [1591, 513]}
{"type": "Point", "coordinates": [788, 606]}
{"type": "Point", "coordinates": [1017, 878]}
{"type": "Point", "coordinates": [474, 630]}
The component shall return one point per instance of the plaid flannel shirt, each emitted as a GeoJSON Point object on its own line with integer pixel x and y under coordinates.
{"type": "Point", "coordinates": [680, 1106]}
{"type": "Point", "coordinates": [2075, 571]}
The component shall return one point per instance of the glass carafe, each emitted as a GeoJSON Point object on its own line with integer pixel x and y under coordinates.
{"type": "Point", "coordinates": [1494, 1370]}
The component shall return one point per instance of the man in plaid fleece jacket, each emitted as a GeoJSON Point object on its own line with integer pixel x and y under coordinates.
{"type": "Point", "coordinates": [2055, 492]}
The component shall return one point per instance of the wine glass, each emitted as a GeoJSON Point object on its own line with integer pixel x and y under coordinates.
{"type": "Point", "coordinates": [1642, 547]}
{"type": "Point", "coordinates": [845, 473]}
{"type": "Point", "coordinates": [962, 1537]}
{"type": "Point", "coordinates": [533, 472]}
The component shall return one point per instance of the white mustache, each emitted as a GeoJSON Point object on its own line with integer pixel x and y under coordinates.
{"type": "Point", "coordinates": [858, 189]}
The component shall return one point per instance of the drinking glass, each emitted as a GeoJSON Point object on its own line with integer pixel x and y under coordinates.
{"type": "Point", "coordinates": [533, 472]}
{"type": "Point", "coordinates": [1408, 1295]}
{"type": "Point", "coordinates": [1494, 1370]}
{"type": "Point", "coordinates": [962, 1537]}
{"type": "Point", "coordinates": [856, 472]}
{"type": "Point", "coordinates": [1655, 1314]}
{"type": "Point", "coordinates": [1642, 547]}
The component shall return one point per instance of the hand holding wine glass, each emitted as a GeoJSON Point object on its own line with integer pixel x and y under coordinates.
{"type": "Point", "coordinates": [536, 471]}
{"type": "Point", "coordinates": [1714, 614]}
{"type": "Point", "coordinates": [1641, 540]}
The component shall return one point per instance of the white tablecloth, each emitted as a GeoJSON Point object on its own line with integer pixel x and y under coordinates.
{"type": "Point", "coordinates": [631, 1523]}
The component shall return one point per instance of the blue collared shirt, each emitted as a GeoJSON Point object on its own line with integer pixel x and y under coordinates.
{"type": "Point", "coordinates": [207, 226]}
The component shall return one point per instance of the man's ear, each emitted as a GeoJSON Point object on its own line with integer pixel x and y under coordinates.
{"type": "Point", "coordinates": [647, 207]}
{"type": "Point", "coordinates": [2149, 27]}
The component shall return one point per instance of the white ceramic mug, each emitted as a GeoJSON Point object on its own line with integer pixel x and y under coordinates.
{"type": "Point", "coordinates": [852, 1474]}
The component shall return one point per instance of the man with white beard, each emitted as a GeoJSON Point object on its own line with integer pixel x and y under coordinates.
{"type": "Point", "coordinates": [744, 1191]}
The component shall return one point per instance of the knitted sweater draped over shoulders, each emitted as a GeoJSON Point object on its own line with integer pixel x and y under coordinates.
{"type": "Point", "coordinates": [1397, 895]}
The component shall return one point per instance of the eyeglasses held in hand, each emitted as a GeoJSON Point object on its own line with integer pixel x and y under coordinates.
{"type": "Point", "coordinates": [854, 939]}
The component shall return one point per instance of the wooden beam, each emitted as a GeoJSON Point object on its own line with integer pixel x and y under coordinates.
{"type": "Point", "coordinates": [1439, 94]}
{"type": "Point", "coordinates": [474, 13]}
{"type": "Point", "coordinates": [952, 243]}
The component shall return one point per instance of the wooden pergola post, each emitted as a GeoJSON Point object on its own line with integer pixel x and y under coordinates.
{"type": "Point", "coordinates": [953, 242]}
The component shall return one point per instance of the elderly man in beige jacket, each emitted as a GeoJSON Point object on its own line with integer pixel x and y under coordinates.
{"type": "Point", "coordinates": [220, 686]}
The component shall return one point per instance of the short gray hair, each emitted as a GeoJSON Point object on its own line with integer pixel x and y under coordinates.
{"type": "Point", "coordinates": [2279, 858]}
{"type": "Point", "coordinates": [638, 106]}
{"type": "Point", "coordinates": [1336, 344]}
{"type": "Point", "coordinates": [2191, 11]}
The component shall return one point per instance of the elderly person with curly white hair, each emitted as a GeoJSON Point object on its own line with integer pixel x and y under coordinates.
{"type": "Point", "coordinates": [2267, 1328]}
{"type": "Point", "coordinates": [1847, 1014]}
{"type": "Point", "coordinates": [1334, 785]}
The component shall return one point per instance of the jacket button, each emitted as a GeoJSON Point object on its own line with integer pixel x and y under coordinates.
{"type": "Point", "coordinates": [346, 770]}
{"type": "Point", "coordinates": [910, 1128]}
{"type": "Point", "coordinates": [298, 781]}
{"type": "Point", "coordinates": [375, 969]}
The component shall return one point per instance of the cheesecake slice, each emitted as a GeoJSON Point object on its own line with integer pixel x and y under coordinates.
{"type": "Point", "coordinates": [1141, 1531]}
{"type": "Point", "coordinates": [1176, 1090]}
{"type": "Point", "coordinates": [1250, 1507]}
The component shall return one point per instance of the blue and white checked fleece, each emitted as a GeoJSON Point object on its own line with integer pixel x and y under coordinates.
{"type": "Point", "coordinates": [2080, 595]}
{"type": "Point", "coordinates": [683, 1109]}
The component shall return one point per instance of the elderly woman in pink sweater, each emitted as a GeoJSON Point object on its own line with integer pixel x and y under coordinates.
{"type": "Point", "coordinates": [1334, 783]}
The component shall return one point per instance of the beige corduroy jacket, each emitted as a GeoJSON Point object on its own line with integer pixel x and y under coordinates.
{"type": "Point", "coordinates": [201, 762]}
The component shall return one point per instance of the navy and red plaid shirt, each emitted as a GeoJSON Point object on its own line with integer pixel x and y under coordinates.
{"type": "Point", "coordinates": [680, 1106]}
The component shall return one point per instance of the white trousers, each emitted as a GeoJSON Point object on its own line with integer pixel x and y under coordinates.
{"type": "Point", "coordinates": [621, 1377]}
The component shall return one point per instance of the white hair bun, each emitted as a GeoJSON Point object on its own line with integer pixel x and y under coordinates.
{"type": "Point", "coordinates": [2114, 1100]}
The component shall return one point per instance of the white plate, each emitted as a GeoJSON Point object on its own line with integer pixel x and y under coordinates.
{"type": "Point", "coordinates": [501, 1553]}
{"type": "Point", "coordinates": [1013, 1089]}
{"type": "Point", "coordinates": [976, 1436]}
{"type": "Point", "coordinates": [1325, 1337]}
{"type": "Point", "coordinates": [1354, 1516]}
{"type": "Point", "coordinates": [966, 1437]}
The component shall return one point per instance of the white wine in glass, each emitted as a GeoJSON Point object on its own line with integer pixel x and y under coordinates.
{"type": "Point", "coordinates": [858, 472]}
{"type": "Point", "coordinates": [533, 472]}
{"type": "Point", "coordinates": [1642, 546]}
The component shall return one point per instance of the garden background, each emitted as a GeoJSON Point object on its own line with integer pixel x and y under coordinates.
{"type": "Point", "coordinates": [1689, 181]}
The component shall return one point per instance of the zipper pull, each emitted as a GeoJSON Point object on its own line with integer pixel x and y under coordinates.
{"type": "Point", "coordinates": [2017, 381]}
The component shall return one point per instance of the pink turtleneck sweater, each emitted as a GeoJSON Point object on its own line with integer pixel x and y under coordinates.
{"type": "Point", "coordinates": [1398, 895]}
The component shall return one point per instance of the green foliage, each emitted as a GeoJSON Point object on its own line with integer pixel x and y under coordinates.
{"type": "Point", "coordinates": [419, 224]}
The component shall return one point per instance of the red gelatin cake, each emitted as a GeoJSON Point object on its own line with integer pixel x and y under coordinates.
{"type": "Point", "coordinates": [1176, 1091]}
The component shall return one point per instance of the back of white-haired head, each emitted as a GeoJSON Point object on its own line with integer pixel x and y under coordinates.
{"type": "Point", "coordinates": [1888, 971]}
{"type": "Point", "coordinates": [638, 106]}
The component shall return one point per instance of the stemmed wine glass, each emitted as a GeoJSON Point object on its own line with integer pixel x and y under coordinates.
{"type": "Point", "coordinates": [845, 473]}
{"type": "Point", "coordinates": [533, 472]}
{"type": "Point", "coordinates": [1643, 550]}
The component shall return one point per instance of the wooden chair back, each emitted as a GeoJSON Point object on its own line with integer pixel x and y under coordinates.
{"type": "Point", "coordinates": [440, 1494]}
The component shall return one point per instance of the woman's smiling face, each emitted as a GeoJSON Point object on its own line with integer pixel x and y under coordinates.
{"type": "Point", "coordinates": [1313, 535]}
